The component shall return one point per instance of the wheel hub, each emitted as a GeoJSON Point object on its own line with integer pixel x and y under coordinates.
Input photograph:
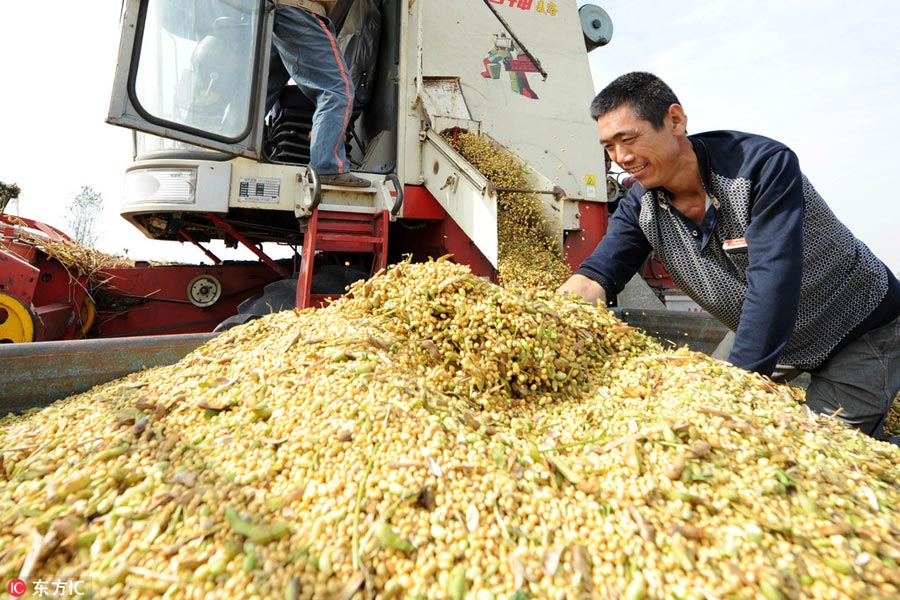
{"type": "Point", "coordinates": [16, 321]}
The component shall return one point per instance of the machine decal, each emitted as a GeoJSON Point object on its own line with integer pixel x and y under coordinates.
{"type": "Point", "coordinates": [590, 182]}
{"type": "Point", "coordinates": [260, 190]}
{"type": "Point", "coordinates": [505, 56]}
{"type": "Point", "coordinates": [548, 8]}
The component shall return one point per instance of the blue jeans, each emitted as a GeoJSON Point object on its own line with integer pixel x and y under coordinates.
{"type": "Point", "coordinates": [862, 380]}
{"type": "Point", "coordinates": [309, 54]}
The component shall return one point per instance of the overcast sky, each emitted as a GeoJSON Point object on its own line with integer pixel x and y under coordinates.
{"type": "Point", "coordinates": [816, 75]}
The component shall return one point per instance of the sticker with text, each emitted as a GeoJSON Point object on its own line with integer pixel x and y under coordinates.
{"type": "Point", "coordinates": [547, 8]}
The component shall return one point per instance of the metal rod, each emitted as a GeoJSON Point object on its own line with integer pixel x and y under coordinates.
{"type": "Point", "coordinates": [523, 191]}
{"type": "Point", "coordinates": [191, 239]}
{"type": "Point", "coordinates": [243, 240]}
{"type": "Point", "coordinates": [535, 61]}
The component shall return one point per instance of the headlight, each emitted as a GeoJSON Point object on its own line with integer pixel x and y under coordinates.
{"type": "Point", "coordinates": [154, 186]}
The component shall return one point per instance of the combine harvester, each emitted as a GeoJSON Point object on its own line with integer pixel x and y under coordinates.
{"type": "Point", "coordinates": [210, 164]}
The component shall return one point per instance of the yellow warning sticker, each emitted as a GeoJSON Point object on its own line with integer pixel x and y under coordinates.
{"type": "Point", "coordinates": [590, 179]}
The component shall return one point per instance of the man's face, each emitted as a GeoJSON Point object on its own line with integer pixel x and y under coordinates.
{"type": "Point", "coordinates": [647, 154]}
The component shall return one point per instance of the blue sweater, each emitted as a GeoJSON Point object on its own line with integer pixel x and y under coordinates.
{"type": "Point", "coordinates": [800, 289]}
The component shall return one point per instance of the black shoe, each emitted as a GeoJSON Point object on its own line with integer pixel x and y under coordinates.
{"type": "Point", "coordinates": [344, 180]}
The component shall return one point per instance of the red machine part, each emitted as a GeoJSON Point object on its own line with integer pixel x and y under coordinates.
{"type": "Point", "coordinates": [332, 231]}
{"type": "Point", "coordinates": [42, 301]}
{"type": "Point", "coordinates": [39, 299]}
{"type": "Point", "coordinates": [594, 219]}
{"type": "Point", "coordinates": [168, 299]}
{"type": "Point", "coordinates": [428, 231]}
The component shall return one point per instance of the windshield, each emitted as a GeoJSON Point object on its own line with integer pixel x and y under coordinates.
{"type": "Point", "coordinates": [195, 65]}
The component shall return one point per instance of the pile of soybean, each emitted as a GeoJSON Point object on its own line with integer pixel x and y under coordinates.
{"type": "Point", "coordinates": [432, 435]}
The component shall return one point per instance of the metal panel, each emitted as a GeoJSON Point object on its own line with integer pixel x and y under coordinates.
{"type": "Point", "coordinates": [699, 332]}
{"type": "Point", "coordinates": [463, 192]}
{"type": "Point", "coordinates": [545, 122]}
{"type": "Point", "coordinates": [40, 373]}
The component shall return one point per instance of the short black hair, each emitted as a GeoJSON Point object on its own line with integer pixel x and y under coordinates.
{"type": "Point", "coordinates": [647, 94]}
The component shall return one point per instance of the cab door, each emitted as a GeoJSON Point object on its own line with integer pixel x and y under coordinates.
{"type": "Point", "coordinates": [195, 71]}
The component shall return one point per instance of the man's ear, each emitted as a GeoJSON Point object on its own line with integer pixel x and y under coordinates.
{"type": "Point", "coordinates": [677, 119]}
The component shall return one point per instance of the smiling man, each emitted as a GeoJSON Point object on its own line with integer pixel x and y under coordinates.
{"type": "Point", "coordinates": [744, 234]}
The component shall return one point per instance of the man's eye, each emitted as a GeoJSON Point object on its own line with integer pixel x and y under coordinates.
{"type": "Point", "coordinates": [627, 140]}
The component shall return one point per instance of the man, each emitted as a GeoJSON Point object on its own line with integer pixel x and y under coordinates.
{"type": "Point", "coordinates": [305, 50]}
{"type": "Point", "coordinates": [747, 237]}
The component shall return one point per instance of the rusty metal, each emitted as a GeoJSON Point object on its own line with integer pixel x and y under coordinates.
{"type": "Point", "coordinates": [39, 373]}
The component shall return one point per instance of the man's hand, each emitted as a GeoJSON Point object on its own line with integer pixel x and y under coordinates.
{"type": "Point", "coordinates": [585, 287]}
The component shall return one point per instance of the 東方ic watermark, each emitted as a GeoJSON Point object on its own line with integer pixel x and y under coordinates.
{"type": "Point", "coordinates": [40, 588]}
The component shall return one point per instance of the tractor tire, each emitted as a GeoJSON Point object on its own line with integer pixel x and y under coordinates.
{"type": "Point", "coordinates": [277, 296]}
{"type": "Point", "coordinates": [282, 295]}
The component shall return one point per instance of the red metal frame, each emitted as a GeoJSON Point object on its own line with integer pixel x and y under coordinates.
{"type": "Point", "coordinates": [188, 237]}
{"type": "Point", "coordinates": [335, 231]}
{"type": "Point", "coordinates": [247, 244]}
{"type": "Point", "coordinates": [435, 235]}
{"type": "Point", "coordinates": [153, 300]}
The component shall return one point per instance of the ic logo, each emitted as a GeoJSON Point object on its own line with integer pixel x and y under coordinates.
{"type": "Point", "coordinates": [16, 588]}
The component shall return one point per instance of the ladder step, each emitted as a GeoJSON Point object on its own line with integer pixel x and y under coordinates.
{"type": "Point", "coordinates": [359, 239]}
{"type": "Point", "coordinates": [350, 228]}
{"type": "Point", "coordinates": [340, 232]}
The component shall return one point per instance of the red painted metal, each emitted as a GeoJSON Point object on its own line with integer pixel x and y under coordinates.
{"type": "Point", "coordinates": [418, 203]}
{"type": "Point", "coordinates": [188, 237]}
{"type": "Point", "coordinates": [153, 300]}
{"type": "Point", "coordinates": [594, 219]}
{"type": "Point", "coordinates": [248, 244]}
{"type": "Point", "coordinates": [52, 294]}
{"type": "Point", "coordinates": [18, 277]}
{"type": "Point", "coordinates": [334, 231]}
{"type": "Point", "coordinates": [656, 276]}
{"type": "Point", "coordinates": [429, 232]}
{"type": "Point", "coordinates": [9, 223]}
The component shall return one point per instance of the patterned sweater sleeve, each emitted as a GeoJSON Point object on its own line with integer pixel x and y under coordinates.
{"type": "Point", "coordinates": [774, 275]}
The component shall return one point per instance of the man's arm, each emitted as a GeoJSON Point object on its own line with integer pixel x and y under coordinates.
{"type": "Point", "coordinates": [618, 256]}
{"type": "Point", "coordinates": [775, 271]}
